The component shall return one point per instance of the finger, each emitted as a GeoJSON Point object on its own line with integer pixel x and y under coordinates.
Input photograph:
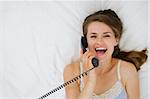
{"type": "Point", "coordinates": [90, 62]}
{"type": "Point", "coordinates": [81, 52]}
{"type": "Point", "coordinates": [83, 55]}
{"type": "Point", "coordinates": [88, 54]}
{"type": "Point", "coordinates": [87, 59]}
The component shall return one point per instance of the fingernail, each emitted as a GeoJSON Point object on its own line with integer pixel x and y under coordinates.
{"type": "Point", "coordinates": [87, 49]}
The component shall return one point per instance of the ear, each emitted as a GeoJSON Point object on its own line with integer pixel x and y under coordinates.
{"type": "Point", "coordinates": [116, 42]}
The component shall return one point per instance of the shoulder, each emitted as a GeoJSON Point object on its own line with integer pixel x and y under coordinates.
{"type": "Point", "coordinates": [71, 70]}
{"type": "Point", "coordinates": [128, 71]}
{"type": "Point", "coordinates": [130, 79]}
{"type": "Point", "coordinates": [127, 67]}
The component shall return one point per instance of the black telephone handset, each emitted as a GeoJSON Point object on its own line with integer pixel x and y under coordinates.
{"type": "Point", "coordinates": [95, 63]}
{"type": "Point", "coordinates": [84, 45]}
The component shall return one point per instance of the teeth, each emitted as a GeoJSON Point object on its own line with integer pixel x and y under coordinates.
{"type": "Point", "coordinates": [100, 48]}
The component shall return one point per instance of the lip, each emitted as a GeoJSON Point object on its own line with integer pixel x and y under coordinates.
{"type": "Point", "coordinates": [100, 52]}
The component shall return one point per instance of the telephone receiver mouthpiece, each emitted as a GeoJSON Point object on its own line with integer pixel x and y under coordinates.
{"type": "Point", "coordinates": [95, 62]}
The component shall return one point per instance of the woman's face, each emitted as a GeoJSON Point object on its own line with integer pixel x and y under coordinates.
{"type": "Point", "coordinates": [101, 40]}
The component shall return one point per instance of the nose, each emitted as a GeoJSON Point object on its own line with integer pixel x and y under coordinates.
{"type": "Point", "coordinates": [99, 40]}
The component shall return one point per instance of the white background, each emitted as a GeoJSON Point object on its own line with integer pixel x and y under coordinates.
{"type": "Point", "coordinates": [37, 40]}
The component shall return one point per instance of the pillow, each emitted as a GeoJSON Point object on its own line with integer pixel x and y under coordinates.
{"type": "Point", "coordinates": [41, 38]}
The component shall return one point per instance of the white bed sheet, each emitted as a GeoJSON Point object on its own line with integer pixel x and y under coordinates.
{"type": "Point", "coordinates": [37, 40]}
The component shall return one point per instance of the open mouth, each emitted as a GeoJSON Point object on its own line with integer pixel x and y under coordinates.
{"type": "Point", "coordinates": [100, 51]}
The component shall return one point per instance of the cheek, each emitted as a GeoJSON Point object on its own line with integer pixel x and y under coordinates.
{"type": "Point", "coordinates": [111, 45]}
{"type": "Point", "coordinates": [90, 44]}
{"type": "Point", "coordinates": [112, 42]}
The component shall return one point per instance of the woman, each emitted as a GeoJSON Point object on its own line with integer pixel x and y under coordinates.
{"type": "Point", "coordinates": [116, 76]}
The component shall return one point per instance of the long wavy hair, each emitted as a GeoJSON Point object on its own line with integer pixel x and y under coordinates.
{"type": "Point", "coordinates": [110, 18]}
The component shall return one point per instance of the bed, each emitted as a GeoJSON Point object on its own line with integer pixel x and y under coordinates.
{"type": "Point", "coordinates": [38, 39]}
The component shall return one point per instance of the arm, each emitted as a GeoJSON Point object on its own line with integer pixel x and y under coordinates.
{"type": "Point", "coordinates": [87, 92]}
{"type": "Point", "coordinates": [73, 90]}
{"type": "Point", "coordinates": [132, 82]}
{"type": "Point", "coordinates": [71, 71]}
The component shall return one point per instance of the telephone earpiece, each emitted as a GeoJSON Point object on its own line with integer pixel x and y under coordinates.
{"type": "Point", "coordinates": [84, 44]}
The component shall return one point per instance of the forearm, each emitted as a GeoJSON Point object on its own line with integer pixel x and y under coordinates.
{"type": "Point", "coordinates": [87, 92]}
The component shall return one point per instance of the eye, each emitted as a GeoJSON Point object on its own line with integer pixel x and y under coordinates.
{"type": "Point", "coordinates": [107, 36]}
{"type": "Point", "coordinates": [93, 36]}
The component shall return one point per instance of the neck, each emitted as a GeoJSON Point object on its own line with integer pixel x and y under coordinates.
{"type": "Point", "coordinates": [105, 66]}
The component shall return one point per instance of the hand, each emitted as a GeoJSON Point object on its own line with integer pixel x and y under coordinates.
{"type": "Point", "coordinates": [86, 59]}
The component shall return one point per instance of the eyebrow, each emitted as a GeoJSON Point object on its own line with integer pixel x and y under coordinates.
{"type": "Point", "coordinates": [103, 33]}
{"type": "Point", "coordinates": [93, 33]}
{"type": "Point", "coordinates": [107, 33]}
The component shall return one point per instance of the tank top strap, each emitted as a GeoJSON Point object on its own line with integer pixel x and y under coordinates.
{"type": "Point", "coordinates": [118, 70]}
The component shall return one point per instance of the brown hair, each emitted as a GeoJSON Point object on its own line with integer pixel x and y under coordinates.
{"type": "Point", "coordinates": [110, 18]}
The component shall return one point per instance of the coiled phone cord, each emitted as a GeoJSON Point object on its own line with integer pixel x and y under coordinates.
{"type": "Point", "coordinates": [95, 63]}
{"type": "Point", "coordinates": [66, 84]}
